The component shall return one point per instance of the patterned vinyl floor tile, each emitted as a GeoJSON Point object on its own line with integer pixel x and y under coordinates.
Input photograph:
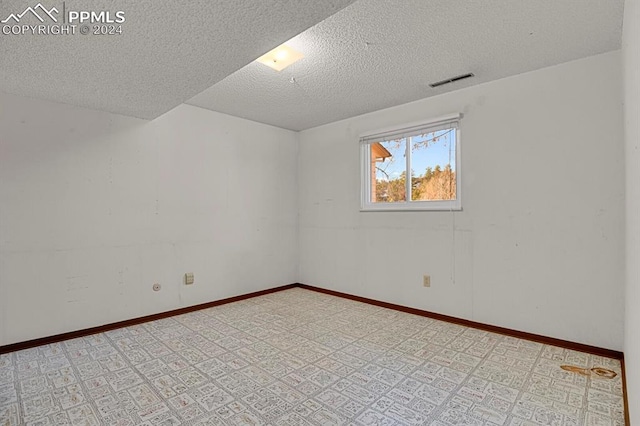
{"type": "Point", "coordinates": [298, 357]}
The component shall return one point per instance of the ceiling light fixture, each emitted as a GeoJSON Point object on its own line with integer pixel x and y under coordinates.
{"type": "Point", "coordinates": [280, 57]}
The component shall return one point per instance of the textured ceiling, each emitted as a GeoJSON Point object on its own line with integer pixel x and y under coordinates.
{"type": "Point", "coordinates": [168, 51]}
{"type": "Point", "coordinates": [379, 53]}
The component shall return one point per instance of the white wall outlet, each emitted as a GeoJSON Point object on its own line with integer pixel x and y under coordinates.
{"type": "Point", "coordinates": [156, 287]}
{"type": "Point", "coordinates": [188, 278]}
{"type": "Point", "coordinates": [426, 280]}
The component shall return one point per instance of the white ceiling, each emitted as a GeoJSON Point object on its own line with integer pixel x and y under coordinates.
{"type": "Point", "coordinates": [379, 53]}
{"type": "Point", "coordinates": [370, 55]}
{"type": "Point", "coordinates": [168, 52]}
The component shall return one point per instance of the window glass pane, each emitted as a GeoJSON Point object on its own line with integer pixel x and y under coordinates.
{"type": "Point", "coordinates": [433, 166]}
{"type": "Point", "coordinates": [388, 171]}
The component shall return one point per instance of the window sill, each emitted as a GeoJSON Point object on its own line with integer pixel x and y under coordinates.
{"type": "Point", "coordinates": [405, 207]}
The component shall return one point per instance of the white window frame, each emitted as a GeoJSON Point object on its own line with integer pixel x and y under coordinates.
{"type": "Point", "coordinates": [367, 139]}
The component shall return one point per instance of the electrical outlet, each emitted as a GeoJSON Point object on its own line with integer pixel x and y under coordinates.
{"type": "Point", "coordinates": [426, 280]}
{"type": "Point", "coordinates": [157, 287]}
{"type": "Point", "coordinates": [188, 278]}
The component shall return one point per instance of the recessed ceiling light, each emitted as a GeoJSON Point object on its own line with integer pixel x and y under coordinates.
{"type": "Point", "coordinates": [280, 57]}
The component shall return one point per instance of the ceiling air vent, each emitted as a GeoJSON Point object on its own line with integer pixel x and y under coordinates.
{"type": "Point", "coordinates": [452, 79]}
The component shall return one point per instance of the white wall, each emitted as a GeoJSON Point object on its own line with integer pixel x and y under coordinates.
{"type": "Point", "coordinates": [631, 61]}
{"type": "Point", "coordinates": [539, 245]}
{"type": "Point", "coordinates": [97, 207]}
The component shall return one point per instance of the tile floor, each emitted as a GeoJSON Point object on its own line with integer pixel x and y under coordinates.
{"type": "Point", "coordinates": [299, 357]}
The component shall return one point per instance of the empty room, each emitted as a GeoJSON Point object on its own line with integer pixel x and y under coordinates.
{"type": "Point", "coordinates": [320, 212]}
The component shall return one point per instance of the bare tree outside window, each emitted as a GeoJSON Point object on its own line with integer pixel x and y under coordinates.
{"type": "Point", "coordinates": [433, 168]}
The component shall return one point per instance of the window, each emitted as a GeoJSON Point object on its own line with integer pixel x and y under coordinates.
{"type": "Point", "coordinates": [413, 167]}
